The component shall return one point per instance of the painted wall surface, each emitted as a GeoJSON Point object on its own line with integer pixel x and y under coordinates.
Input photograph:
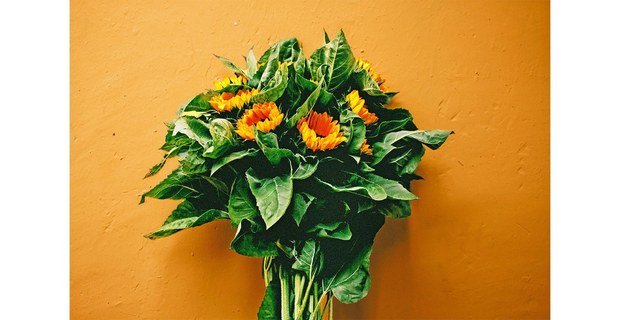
{"type": "Point", "coordinates": [477, 243]}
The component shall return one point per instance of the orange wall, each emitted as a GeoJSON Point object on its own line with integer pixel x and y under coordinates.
{"type": "Point", "coordinates": [477, 244]}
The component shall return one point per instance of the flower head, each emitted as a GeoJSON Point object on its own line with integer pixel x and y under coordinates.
{"type": "Point", "coordinates": [264, 116]}
{"type": "Point", "coordinates": [227, 101]}
{"type": "Point", "coordinates": [221, 84]}
{"type": "Point", "coordinates": [364, 65]}
{"type": "Point", "coordinates": [357, 105]}
{"type": "Point", "coordinates": [366, 149]}
{"type": "Point", "coordinates": [319, 132]}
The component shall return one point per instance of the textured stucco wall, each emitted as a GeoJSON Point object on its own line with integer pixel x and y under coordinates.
{"type": "Point", "coordinates": [477, 244]}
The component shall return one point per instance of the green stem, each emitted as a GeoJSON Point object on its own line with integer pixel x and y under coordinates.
{"type": "Point", "coordinates": [304, 302]}
{"type": "Point", "coordinates": [318, 307]}
{"type": "Point", "coordinates": [284, 299]}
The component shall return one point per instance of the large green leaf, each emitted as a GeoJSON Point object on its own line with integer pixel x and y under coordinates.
{"type": "Point", "coordinates": [354, 129]}
{"type": "Point", "coordinates": [392, 120]}
{"type": "Point", "coordinates": [394, 208]}
{"type": "Point", "coordinates": [365, 82]}
{"type": "Point", "coordinates": [268, 143]}
{"type": "Point", "coordinates": [179, 185]}
{"type": "Point", "coordinates": [233, 67]}
{"type": "Point", "coordinates": [274, 88]}
{"type": "Point", "coordinates": [252, 244]}
{"type": "Point", "coordinates": [337, 57]}
{"type": "Point", "coordinates": [186, 215]}
{"type": "Point", "coordinates": [222, 138]}
{"type": "Point", "coordinates": [194, 129]}
{"type": "Point", "coordinates": [307, 166]}
{"type": "Point", "coordinates": [155, 169]}
{"type": "Point", "coordinates": [251, 64]}
{"type": "Point", "coordinates": [305, 108]}
{"type": "Point", "coordinates": [241, 203]}
{"type": "Point", "coordinates": [270, 307]}
{"type": "Point", "coordinates": [393, 189]}
{"type": "Point", "coordinates": [310, 260]}
{"type": "Point", "coordinates": [273, 195]}
{"type": "Point", "coordinates": [335, 230]}
{"type": "Point", "coordinates": [352, 281]}
{"type": "Point", "coordinates": [300, 204]}
{"type": "Point", "coordinates": [251, 152]}
{"type": "Point", "coordinates": [431, 138]}
{"type": "Point", "coordinates": [199, 103]}
{"type": "Point", "coordinates": [359, 185]}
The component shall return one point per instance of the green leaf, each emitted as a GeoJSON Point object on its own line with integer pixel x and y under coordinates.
{"type": "Point", "coordinates": [334, 230]}
{"type": "Point", "coordinates": [310, 260]}
{"type": "Point", "coordinates": [222, 138]}
{"type": "Point", "coordinates": [307, 167]}
{"type": "Point", "coordinates": [393, 189]}
{"type": "Point", "coordinates": [185, 216]}
{"type": "Point", "coordinates": [274, 88]}
{"type": "Point", "coordinates": [359, 185]}
{"type": "Point", "coordinates": [325, 37]}
{"type": "Point", "coordinates": [199, 103]}
{"type": "Point", "coordinates": [391, 120]}
{"type": "Point", "coordinates": [394, 208]}
{"type": "Point", "coordinates": [241, 203]}
{"type": "Point", "coordinates": [269, 308]}
{"type": "Point", "coordinates": [232, 157]}
{"type": "Point", "coordinates": [431, 138]}
{"type": "Point", "coordinates": [305, 108]}
{"type": "Point", "coordinates": [251, 64]}
{"type": "Point", "coordinates": [268, 143]}
{"type": "Point", "coordinates": [194, 129]}
{"type": "Point", "coordinates": [352, 281]}
{"type": "Point", "coordinates": [284, 50]}
{"type": "Point", "coordinates": [365, 82]}
{"type": "Point", "coordinates": [252, 244]}
{"type": "Point", "coordinates": [177, 185]}
{"type": "Point", "coordinates": [155, 169]}
{"type": "Point", "coordinates": [300, 204]}
{"type": "Point", "coordinates": [273, 195]}
{"type": "Point", "coordinates": [337, 57]}
{"type": "Point", "coordinates": [354, 129]}
{"type": "Point", "coordinates": [233, 67]}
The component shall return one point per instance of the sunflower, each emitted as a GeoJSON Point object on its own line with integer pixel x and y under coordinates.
{"type": "Point", "coordinates": [357, 105]}
{"type": "Point", "coordinates": [221, 84]}
{"type": "Point", "coordinates": [264, 116]}
{"type": "Point", "coordinates": [319, 132]}
{"type": "Point", "coordinates": [364, 65]}
{"type": "Point", "coordinates": [366, 149]}
{"type": "Point", "coordinates": [227, 101]}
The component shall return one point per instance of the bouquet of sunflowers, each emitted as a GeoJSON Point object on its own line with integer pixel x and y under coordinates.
{"type": "Point", "coordinates": [305, 160]}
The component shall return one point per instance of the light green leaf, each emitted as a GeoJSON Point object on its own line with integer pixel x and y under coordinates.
{"type": "Point", "coordinates": [394, 208]}
{"type": "Point", "coordinates": [194, 129]}
{"type": "Point", "coordinates": [300, 204]}
{"type": "Point", "coordinates": [251, 64]}
{"type": "Point", "coordinates": [269, 308]}
{"type": "Point", "coordinates": [334, 230]}
{"type": "Point", "coordinates": [233, 67]}
{"type": "Point", "coordinates": [310, 260]}
{"type": "Point", "coordinates": [354, 129]}
{"type": "Point", "coordinates": [177, 185]}
{"type": "Point", "coordinates": [155, 169]}
{"type": "Point", "coordinates": [241, 204]}
{"type": "Point", "coordinates": [185, 216]}
{"type": "Point", "coordinates": [359, 185]}
{"type": "Point", "coordinates": [307, 167]}
{"type": "Point", "coordinates": [232, 157]}
{"type": "Point", "coordinates": [337, 57]}
{"type": "Point", "coordinates": [252, 244]}
{"type": "Point", "coordinates": [393, 189]}
{"type": "Point", "coordinates": [274, 88]}
{"type": "Point", "coordinates": [222, 138]}
{"type": "Point", "coordinates": [273, 195]}
{"type": "Point", "coordinates": [268, 143]}
{"type": "Point", "coordinates": [352, 281]}
{"type": "Point", "coordinates": [305, 108]}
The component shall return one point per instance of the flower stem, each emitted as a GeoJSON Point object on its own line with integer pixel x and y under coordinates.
{"type": "Point", "coordinates": [284, 295]}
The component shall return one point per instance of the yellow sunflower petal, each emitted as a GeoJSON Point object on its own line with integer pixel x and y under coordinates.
{"type": "Point", "coordinates": [262, 116]}
{"type": "Point", "coordinates": [223, 83]}
{"type": "Point", "coordinates": [227, 101]}
{"type": "Point", "coordinates": [319, 132]}
{"type": "Point", "coordinates": [357, 105]}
